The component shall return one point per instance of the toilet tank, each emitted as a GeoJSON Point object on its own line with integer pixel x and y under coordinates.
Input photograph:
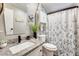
{"type": "Point", "coordinates": [42, 38]}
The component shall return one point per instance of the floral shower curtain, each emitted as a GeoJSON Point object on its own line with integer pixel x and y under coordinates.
{"type": "Point", "coordinates": [62, 31]}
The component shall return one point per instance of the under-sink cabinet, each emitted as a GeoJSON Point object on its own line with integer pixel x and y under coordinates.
{"type": "Point", "coordinates": [36, 52]}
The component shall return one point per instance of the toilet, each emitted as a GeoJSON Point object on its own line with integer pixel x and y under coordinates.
{"type": "Point", "coordinates": [48, 49]}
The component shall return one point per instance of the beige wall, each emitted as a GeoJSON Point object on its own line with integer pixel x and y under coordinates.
{"type": "Point", "coordinates": [1, 22]}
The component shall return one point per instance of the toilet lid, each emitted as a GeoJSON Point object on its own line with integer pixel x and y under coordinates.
{"type": "Point", "coordinates": [50, 47]}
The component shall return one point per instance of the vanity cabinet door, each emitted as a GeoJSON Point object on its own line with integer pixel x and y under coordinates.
{"type": "Point", "coordinates": [36, 52]}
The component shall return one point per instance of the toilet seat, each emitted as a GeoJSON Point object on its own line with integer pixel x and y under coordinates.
{"type": "Point", "coordinates": [49, 47]}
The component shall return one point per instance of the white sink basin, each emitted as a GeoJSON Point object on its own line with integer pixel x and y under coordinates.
{"type": "Point", "coordinates": [20, 47]}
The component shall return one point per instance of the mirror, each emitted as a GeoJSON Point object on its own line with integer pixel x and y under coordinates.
{"type": "Point", "coordinates": [15, 17]}
{"type": "Point", "coordinates": [15, 20]}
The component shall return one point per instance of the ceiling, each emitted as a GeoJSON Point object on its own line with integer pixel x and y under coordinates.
{"type": "Point", "coordinates": [49, 7]}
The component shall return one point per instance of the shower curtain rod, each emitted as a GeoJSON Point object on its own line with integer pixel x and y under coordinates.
{"type": "Point", "coordinates": [62, 10]}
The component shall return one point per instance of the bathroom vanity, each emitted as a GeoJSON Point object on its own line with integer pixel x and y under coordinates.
{"type": "Point", "coordinates": [35, 50]}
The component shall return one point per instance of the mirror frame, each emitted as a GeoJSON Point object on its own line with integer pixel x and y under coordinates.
{"type": "Point", "coordinates": [1, 8]}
